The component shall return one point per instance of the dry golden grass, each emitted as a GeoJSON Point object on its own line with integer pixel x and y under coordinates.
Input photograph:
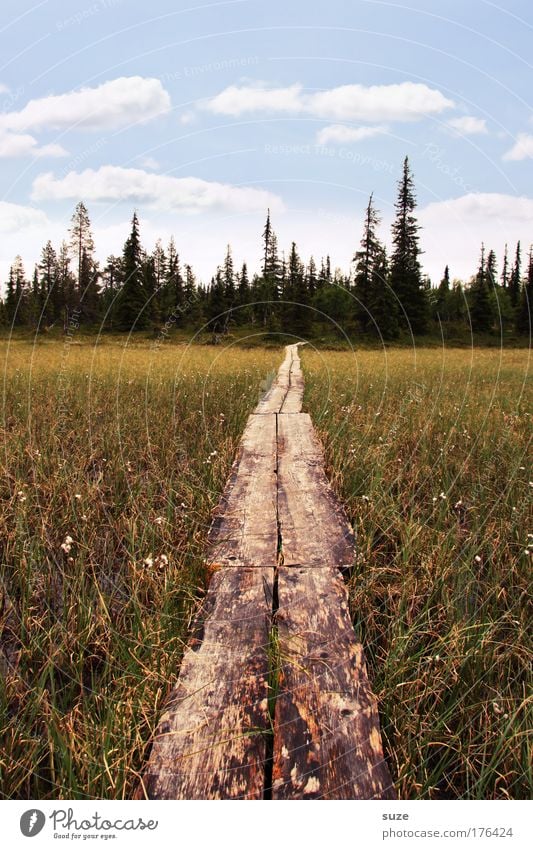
{"type": "Point", "coordinates": [112, 460]}
{"type": "Point", "coordinates": [429, 451]}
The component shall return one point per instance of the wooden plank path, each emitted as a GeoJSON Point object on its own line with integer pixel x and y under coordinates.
{"type": "Point", "coordinates": [273, 699]}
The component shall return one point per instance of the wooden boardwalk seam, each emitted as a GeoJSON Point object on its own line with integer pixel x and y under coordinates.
{"type": "Point", "coordinates": [273, 699]}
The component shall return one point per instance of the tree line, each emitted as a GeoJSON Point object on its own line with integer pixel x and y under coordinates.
{"type": "Point", "coordinates": [383, 296]}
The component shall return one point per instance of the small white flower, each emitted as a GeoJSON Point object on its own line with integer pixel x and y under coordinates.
{"type": "Point", "coordinates": [148, 561]}
{"type": "Point", "coordinates": [477, 558]}
{"type": "Point", "coordinates": [77, 496]}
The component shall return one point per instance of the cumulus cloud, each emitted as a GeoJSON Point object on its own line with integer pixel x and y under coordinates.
{"type": "Point", "coordinates": [341, 134]}
{"type": "Point", "coordinates": [522, 148]}
{"type": "Point", "coordinates": [111, 184]}
{"type": "Point", "coordinates": [454, 229]}
{"type": "Point", "coordinates": [15, 218]}
{"type": "Point", "coordinates": [113, 104]}
{"type": "Point", "coordinates": [468, 125]}
{"type": "Point", "coordinates": [486, 205]}
{"type": "Point", "coordinates": [399, 102]}
{"type": "Point", "coordinates": [22, 144]}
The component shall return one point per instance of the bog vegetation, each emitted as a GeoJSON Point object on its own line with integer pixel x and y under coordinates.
{"type": "Point", "coordinates": [113, 459]}
{"type": "Point", "coordinates": [429, 451]}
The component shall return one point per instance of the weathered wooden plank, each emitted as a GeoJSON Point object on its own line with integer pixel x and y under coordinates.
{"type": "Point", "coordinates": [244, 530]}
{"type": "Point", "coordinates": [293, 400]}
{"type": "Point", "coordinates": [327, 741]}
{"type": "Point", "coordinates": [211, 739]}
{"type": "Point", "coordinates": [273, 399]}
{"type": "Point", "coordinates": [313, 525]}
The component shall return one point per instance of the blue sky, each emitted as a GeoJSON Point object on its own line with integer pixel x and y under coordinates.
{"type": "Point", "coordinates": [200, 115]}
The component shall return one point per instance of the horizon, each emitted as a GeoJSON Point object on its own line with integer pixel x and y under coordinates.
{"type": "Point", "coordinates": [200, 118]}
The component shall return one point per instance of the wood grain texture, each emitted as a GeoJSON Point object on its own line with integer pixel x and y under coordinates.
{"type": "Point", "coordinates": [244, 531]}
{"type": "Point", "coordinates": [211, 742]}
{"type": "Point", "coordinates": [211, 739]}
{"type": "Point", "coordinates": [313, 525]}
{"type": "Point", "coordinates": [327, 741]}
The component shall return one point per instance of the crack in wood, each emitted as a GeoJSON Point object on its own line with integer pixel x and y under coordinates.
{"type": "Point", "coordinates": [273, 699]}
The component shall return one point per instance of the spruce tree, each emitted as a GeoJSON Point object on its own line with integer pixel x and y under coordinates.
{"type": "Point", "coordinates": [524, 312]}
{"type": "Point", "coordinates": [405, 273]}
{"type": "Point", "coordinates": [505, 268]}
{"type": "Point", "coordinates": [382, 302]}
{"type": "Point", "coordinates": [365, 259]}
{"type": "Point", "coordinates": [89, 289]}
{"type": "Point", "coordinates": [442, 297]}
{"type": "Point", "coordinates": [131, 312]}
{"type": "Point", "coordinates": [481, 312]}
{"type": "Point", "coordinates": [47, 279]}
{"type": "Point", "coordinates": [229, 280]}
{"type": "Point", "coordinates": [515, 277]}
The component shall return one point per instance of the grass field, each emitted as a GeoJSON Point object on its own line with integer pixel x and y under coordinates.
{"type": "Point", "coordinates": [113, 460]}
{"type": "Point", "coordinates": [114, 457]}
{"type": "Point", "coordinates": [428, 451]}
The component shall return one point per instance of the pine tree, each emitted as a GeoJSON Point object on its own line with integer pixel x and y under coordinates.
{"type": "Point", "coordinates": [81, 238]}
{"type": "Point", "coordinates": [229, 280]}
{"type": "Point", "coordinates": [66, 286]}
{"type": "Point", "coordinates": [382, 302]}
{"type": "Point", "coordinates": [514, 279]}
{"type": "Point", "coordinates": [11, 298]}
{"type": "Point", "coordinates": [311, 278]}
{"type": "Point", "coordinates": [243, 296]}
{"type": "Point", "coordinates": [442, 297]}
{"type": "Point", "coordinates": [491, 270]}
{"type": "Point", "coordinates": [296, 310]}
{"type": "Point", "coordinates": [175, 282]}
{"type": "Point", "coordinates": [505, 268]}
{"type": "Point", "coordinates": [405, 274]}
{"type": "Point", "coordinates": [89, 289]}
{"type": "Point", "coordinates": [364, 260]}
{"type": "Point", "coordinates": [131, 312]}
{"type": "Point", "coordinates": [47, 270]}
{"type": "Point", "coordinates": [18, 295]}
{"type": "Point", "coordinates": [524, 314]}
{"type": "Point", "coordinates": [481, 313]}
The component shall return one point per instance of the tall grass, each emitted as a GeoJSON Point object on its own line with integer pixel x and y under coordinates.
{"type": "Point", "coordinates": [112, 459]}
{"type": "Point", "coordinates": [429, 451]}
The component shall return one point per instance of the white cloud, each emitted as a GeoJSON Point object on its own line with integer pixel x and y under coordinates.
{"type": "Point", "coordinates": [399, 102]}
{"type": "Point", "coordinates": [522, 149]}
{"type": "Point", "coordinates": [113, 104]}
{"type": "Point", "coordinates": [15, 218]}
{"type": "Point", "coordinates": [454, 229]}
{"type": "Point", "coordinates": [341, 134]}
{"type": "Point", "coordinates": [489, 205]}
{"type": "Point", "coordinates": [468, 125]}
{"type": "Point", "coordinates": [148, 162]}
{"type": "Point", "coordinates": [22, 144]}
{"type": "Point", "coordinates": [110, 184]}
